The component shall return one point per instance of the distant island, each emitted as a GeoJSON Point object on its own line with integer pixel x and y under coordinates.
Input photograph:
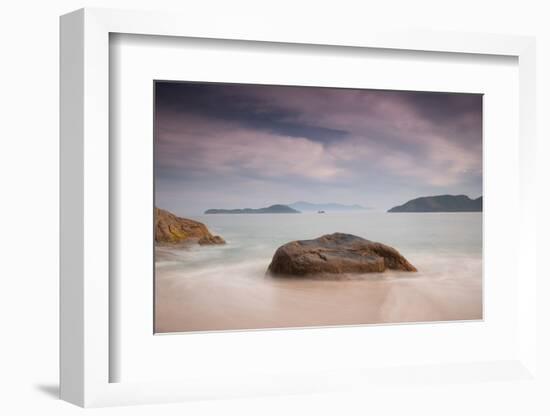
{"type": "Point", "coordinates": [273, 209]}
{"type": "Point", "coordinates": [330, 206]}
{"type": "Point", "coordinates": [441, 203]}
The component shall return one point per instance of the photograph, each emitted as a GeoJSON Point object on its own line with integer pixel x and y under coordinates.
{"type": "Point", "coordinates": [279, 206]}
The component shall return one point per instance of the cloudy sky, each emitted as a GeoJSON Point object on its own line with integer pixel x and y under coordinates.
{"type": "Point", "coordinates": [236, 146]}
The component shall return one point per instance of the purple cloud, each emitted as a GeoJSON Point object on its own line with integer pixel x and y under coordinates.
{"type": "Point", "coordinates": [278, 142]}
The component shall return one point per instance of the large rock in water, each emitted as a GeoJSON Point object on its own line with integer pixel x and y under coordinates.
{"type": "Point", "coordinates": [336, 254]}
{"type": "Point", "coordinates": [170, 229]}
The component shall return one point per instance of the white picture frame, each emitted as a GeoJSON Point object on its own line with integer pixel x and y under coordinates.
{"type": "Point", "coordinates": [85, 211]}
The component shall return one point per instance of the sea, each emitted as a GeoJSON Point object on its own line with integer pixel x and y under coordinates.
{"type": "Point", "coordinates": [225, 287]}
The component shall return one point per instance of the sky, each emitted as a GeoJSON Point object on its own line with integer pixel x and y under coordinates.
{"type": "Point", "coordinates": [250, 146]}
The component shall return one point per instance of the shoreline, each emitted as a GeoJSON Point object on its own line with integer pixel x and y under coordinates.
{"type": "Point", "coordinates": [224, 287]}
{"type": "Point", "coordinates": [236, 301]}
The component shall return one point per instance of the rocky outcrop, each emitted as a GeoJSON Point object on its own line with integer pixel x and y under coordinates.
{"type": "Point", "coordinates": [171, 229]}
{"type": "Point", "coordinates": [336, 254]}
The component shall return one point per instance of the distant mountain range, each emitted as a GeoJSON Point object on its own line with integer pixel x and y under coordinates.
{"type": "Point", "coordinates": [441, 203]}
{"type": "Point", "coordinates": [295, 208]}
{"type": "Point", "coordinates": [331, 206]}
{"type": "Point", "coordinates": [273, 209]}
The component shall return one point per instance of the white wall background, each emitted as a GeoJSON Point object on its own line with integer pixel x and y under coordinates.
{"type": "Point", "coordinates": [29, 208]}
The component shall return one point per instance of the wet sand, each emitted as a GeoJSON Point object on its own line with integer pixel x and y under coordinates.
{"type": "Point", "coordinates": [242, 297]}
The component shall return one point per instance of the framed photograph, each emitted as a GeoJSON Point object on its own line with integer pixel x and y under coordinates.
{"type": "Point", "coordinates": [240, 209]}
{"type": "Point", "coordinates": [328, 171]}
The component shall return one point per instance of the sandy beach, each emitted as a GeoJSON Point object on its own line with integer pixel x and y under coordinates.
{"type": "Point", "coordinates": [241, 297]}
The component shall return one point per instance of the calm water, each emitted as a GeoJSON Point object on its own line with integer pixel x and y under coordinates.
{"type": "Point", "coordinates": [225, 287]}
